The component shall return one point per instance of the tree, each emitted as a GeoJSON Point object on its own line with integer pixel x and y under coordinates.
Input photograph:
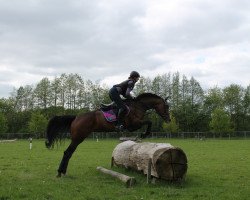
{"type": "Point", "coordinates": [213, 99]}
{"type": "Point", "coordinates": [73, 83]}
{"type": "Point", "coordinates": [184, 89]}
{"type": "Point", "coordinates": [233, 99]}
{"type": "Point", "coordinates": [3, 123]}
{"type": "Point", "coordinates": [43, 92]}
{"type": "Point", "coordinates": [23, 98]}
{"type": "Point", "coordinates": [98, 95]}
{"type": "Point", "coordinates": [220, 122]}
{"type": "Point", "coordinates": [171, 127]}
{"type": "Point", "coordinates": [70, 94]}
{"type": "Point", "coordinates": [156, 84]}
{"type": "Point", "coordinates": [185, 109]}
{"type": "Point", "coordinates": [246, 101]}
{"type": "Point", "coordinates": [7, 106]}
{"type": "Point", "coordinates": [18, 96]}
{"type": "Point", "coordinates": [55, 91]}
{"type": "Point", "coordinates": [196, 92]}
{"type": "Point", "coordinates": [188, 104]}
{"type": "Point", "coordinates": [175, 99]}
{"type": "Point", "coordinates": [81, 95]}
{"type": "Point", "coordinates": [63, 86]}
{"type": "Point", "coordinates": [246, 109]}
{"type": "Point", "coordinates": [143, 85]}
{"type": "Point", "coordinates": [37, 124]}
{"type": "Point", "coordinates": [165, 85]}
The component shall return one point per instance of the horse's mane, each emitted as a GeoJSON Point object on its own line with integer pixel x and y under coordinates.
{"type": "Point", "coordinates": [146, 95]}
{"type": "Point", "coordinates": [142, 96]}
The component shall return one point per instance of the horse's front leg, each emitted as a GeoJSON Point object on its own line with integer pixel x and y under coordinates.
{"type": "Point", "coordinates": [137, 124]}
{"type": "Point", "coordinates": [148, 130]}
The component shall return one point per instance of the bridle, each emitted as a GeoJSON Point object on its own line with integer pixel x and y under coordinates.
{"type": "Point", "coordinates": [146, 107]}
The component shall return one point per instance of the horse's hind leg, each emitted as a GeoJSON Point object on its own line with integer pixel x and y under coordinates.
{"type": "Point", "coordinates": [66, 156]}
{"type": "Point", "coordinates": [81, 127]}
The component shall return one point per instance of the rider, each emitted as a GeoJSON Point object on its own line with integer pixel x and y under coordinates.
{"type": "Point", "coordinates": [124, 88]}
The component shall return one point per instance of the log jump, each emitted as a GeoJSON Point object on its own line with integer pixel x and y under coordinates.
{"type": "Point", "coordinates": [160, 160]}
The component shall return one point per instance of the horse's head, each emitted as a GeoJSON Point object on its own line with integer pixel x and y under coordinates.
{"type": "Point", "coordinates": [153, 101]}
{"type": "Point", "coordinates": [162, 108]}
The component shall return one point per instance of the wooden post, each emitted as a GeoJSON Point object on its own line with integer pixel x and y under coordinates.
{"type": "Point", "coordinates": [149, 170]}
{"type": "Point", "coordinates": [124, 178]}
{"type": "Point", "coordinates": [112, 162]}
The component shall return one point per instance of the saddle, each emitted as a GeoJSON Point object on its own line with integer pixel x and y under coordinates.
{"type": "Point", "coordinates": [110, 111]}
{"type": "Point", "coordinates": [106, 107]}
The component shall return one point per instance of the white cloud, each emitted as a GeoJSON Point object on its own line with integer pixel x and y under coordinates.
{"type": "Point", "coordinates": [105, 41]}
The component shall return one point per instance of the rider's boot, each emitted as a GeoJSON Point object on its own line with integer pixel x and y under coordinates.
{"type": "Point", "coordinates": [120, 120]}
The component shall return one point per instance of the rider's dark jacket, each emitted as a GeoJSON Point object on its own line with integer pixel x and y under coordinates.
{"type": "Point", "coordinates": [124, 88]}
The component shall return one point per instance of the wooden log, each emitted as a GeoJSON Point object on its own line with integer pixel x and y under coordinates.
{"type": "Point", "coordinates": [129, 181]}
{"type": "Point", "coordinates": [3, 141]}
{"type": "Point", "coordinates": [167, 162]}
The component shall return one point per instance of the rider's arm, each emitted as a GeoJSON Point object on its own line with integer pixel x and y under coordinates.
{"type": "Point", "coordinates": [129, 89]}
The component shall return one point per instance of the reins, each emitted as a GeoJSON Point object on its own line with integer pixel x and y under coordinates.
{"type": "Point", "coordinates": [145, 106]}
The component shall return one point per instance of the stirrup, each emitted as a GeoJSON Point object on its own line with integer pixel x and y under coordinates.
{"type": "Point", "coordinates": [119, 128]}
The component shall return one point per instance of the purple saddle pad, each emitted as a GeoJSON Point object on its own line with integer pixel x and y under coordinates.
{"type": "Point", "coordinates": [109, 115]}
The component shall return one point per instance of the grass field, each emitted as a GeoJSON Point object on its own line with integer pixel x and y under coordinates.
{"type": "Point", "coordinates": [217, 169]}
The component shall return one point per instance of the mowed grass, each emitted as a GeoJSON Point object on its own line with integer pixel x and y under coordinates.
{"type": "Point", "coordinates": [217, 169]}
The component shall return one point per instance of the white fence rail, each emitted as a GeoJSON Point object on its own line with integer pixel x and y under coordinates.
{"type": "Point", "coordinates": [106, 135]}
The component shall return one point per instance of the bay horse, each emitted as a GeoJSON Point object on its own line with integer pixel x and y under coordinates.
{"type": "Point", "coordinates": [81, 126]}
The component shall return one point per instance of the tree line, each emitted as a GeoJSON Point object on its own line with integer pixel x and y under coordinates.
{"type": "Point", "coordinates": [193, 108]}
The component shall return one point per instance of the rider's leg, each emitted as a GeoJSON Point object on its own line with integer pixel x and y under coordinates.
{"type": "Point", "coordinates": [115, 96]}
{"type": "Point", "coordinates": [120, 118]}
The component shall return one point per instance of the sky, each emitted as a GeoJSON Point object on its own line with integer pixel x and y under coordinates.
{"type": "Point", "coordinates": [104, 40]}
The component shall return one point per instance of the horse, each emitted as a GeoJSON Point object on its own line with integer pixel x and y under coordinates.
{"type": "Point", "coordinates": [82, 125]}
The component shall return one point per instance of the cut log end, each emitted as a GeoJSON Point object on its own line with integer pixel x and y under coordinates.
{"type": "Point", "coordinates": [172, 164]}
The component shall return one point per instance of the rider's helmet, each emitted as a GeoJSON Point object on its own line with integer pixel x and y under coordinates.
{"type": "Point", "coordinates": [134, 74]}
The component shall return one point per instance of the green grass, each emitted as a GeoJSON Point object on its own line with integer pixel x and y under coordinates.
{"type": "Point", "coordinates": [217, 169]}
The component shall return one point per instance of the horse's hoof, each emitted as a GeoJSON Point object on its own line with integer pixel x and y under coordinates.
{"type": "Point", "coordinates": [59, 175]}
{"type": "Point", "coordinates": [142, 136]}
{"type": "Point", "coordinates": [119, 128]}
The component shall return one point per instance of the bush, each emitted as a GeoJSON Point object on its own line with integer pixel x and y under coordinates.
{"type": "Point", "coordinates": [37, 124]}
{"type": "Point", "coordinates": [3, 123]}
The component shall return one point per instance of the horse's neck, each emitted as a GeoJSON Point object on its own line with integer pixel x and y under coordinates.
{"type": "Point", "coordinates": [149, 103]}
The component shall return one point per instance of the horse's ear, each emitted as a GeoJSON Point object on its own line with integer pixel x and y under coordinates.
{"type": "Point", "coordinates": [166, 99]}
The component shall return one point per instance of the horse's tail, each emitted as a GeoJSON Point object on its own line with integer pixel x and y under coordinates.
{"type": "Point", "coordinates": [57, 129]}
